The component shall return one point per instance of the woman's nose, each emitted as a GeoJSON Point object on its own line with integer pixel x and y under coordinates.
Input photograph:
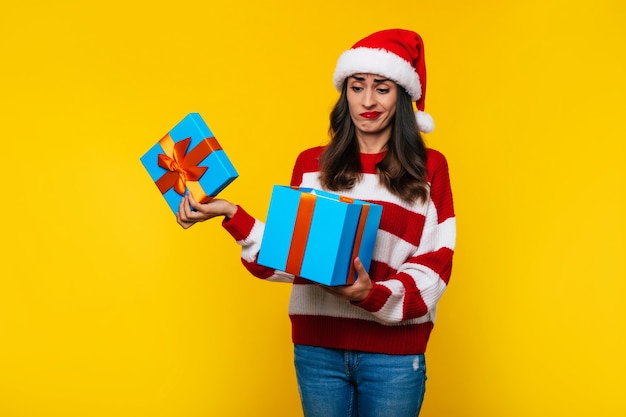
{"type": "Point", "coordinates": [368, 98]}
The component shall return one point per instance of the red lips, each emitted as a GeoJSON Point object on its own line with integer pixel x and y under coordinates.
{"type": "Point", "coordinates": [370, 114]}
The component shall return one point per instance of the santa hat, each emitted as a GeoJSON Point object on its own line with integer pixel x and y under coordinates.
{"type": "Point", "coordinates": [397, 54]}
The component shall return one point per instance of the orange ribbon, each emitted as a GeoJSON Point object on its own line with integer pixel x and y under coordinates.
{"type": "Point", "coordinates": [182, 167]}
{"type": "Point", "coordinates": [365, 209]}
{"type": "Point", "coordinates": [300, 233]}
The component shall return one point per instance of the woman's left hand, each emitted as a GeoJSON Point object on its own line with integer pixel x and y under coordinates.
{"type": "Point", "coordinates": [357, 291]}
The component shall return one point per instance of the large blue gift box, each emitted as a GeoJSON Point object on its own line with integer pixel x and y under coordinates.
{"type": "Point", "coordinates": [189, 159]}
{"type": "Point", "coordinates": [316, 234]}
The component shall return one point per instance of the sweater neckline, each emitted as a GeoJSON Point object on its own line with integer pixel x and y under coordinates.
{"type": "Point", "coordinates": [369, 160]}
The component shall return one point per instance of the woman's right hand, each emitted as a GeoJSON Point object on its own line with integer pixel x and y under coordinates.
{"type": "Point", "coordinates": [187, 217]}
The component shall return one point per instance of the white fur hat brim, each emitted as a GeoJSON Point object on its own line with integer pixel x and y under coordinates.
{"type": "Point", "coordinates": [379, 62]}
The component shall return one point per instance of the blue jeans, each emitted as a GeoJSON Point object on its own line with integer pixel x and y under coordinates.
{"type": "Point", "coordinates": [339, 383]}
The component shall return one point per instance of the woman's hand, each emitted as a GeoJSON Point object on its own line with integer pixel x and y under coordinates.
{"type": "Point", "coordinates": [357, 291]}
{"type": "Point", "coordinates": [187, 217]}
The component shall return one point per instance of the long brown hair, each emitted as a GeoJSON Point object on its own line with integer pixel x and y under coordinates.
{"type": "Point", "coordinates": [403, 169]}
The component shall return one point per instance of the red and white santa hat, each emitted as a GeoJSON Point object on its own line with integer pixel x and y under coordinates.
{"type": "Point", "coordinates": [397, 54]}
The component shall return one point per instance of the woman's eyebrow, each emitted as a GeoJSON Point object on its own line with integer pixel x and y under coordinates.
{"type": "Point", "coordinates": [376, 80]}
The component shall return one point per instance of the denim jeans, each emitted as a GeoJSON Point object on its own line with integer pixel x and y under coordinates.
{"type": "Point", "coordinates": [339, 383]}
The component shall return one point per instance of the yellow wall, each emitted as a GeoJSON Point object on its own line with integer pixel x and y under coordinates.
{"type": "Point", "coordinates": [108, 308]}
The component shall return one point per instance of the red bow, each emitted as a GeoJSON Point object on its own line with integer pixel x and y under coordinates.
{"type": "Point", "coordinates": [181, 166]}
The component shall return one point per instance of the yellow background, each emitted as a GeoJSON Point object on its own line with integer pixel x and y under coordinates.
{"type": "Point", "coordinates": [109, 308]}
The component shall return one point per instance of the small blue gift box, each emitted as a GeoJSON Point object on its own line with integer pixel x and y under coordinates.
{"type": "Point", "coordinates": [189, 159]}
{"type": "Point", "coordinates": [316, 235]}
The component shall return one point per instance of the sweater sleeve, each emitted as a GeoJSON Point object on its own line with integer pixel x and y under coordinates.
{"type": "Point", "coordinates": [414, 290]}
{"type": "Point", "coordinates": [248, 232]}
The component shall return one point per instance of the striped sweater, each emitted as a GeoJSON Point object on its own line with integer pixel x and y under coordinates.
{"type": "Point", "coordinates": [410, 268]}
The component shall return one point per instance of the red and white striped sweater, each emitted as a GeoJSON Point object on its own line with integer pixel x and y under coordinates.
{"type": "Point", "coordinates": [410, 269]}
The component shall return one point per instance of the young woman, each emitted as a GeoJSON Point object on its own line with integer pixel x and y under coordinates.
{"type": "Point", "coordinates": [359, 349]}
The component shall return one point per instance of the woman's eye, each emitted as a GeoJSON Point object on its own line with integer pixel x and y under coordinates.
{"type": "Point", "coordinates": [383, 90]}
{"type": "Point", "coordinates": [356, 89]}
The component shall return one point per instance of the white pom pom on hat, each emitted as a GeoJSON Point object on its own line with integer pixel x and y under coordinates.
{"type": "Point", "coordinates": [397, 54]}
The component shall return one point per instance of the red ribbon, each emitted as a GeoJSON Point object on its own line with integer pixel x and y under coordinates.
{"type": "Point", "coordinates": [182, 166]}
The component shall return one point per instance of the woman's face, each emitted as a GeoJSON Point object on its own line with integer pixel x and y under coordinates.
{"type": "Point", "coordinates": [372, 104]}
